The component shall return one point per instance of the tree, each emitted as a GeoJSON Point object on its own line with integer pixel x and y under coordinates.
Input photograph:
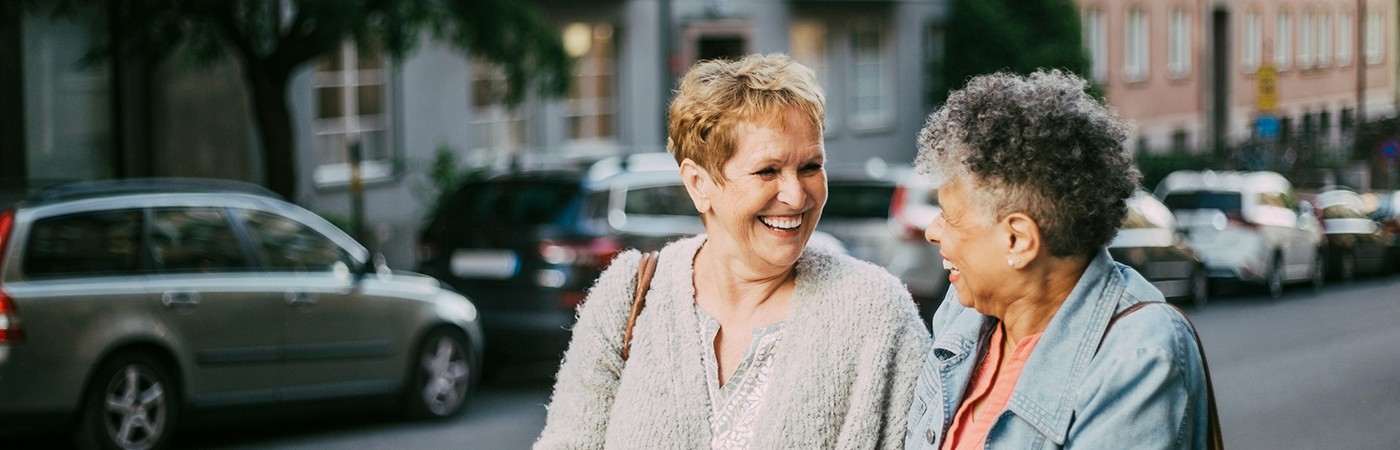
{"type": "Point", "coordinates": [1018, 36]}
{"type": "Point", "coordinates": [272, 39]}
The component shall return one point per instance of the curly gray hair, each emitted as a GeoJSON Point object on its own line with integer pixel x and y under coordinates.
{"type": "Point", "coordinates": [1038, 145]}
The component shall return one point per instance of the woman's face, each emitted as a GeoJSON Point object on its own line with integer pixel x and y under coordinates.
{"type": "Point", "coordinates": [766, 211]}
{"type": "Point", "coordinates": [973, 250]}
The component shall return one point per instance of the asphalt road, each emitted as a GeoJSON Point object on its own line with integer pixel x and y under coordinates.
{"type": "Point", "coordinates": [1307, 371]}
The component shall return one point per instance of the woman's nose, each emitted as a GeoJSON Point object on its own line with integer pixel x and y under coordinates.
{"type": "Point", "coordinates": [934, 232]}
{"type": "Point", "coordinates": [790, 191]}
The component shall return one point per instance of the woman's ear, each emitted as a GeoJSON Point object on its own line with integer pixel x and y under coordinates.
{"type": "Point", "coordinates": [698, 184]}
{"type": "Point", "coordinates": [1023, 239]}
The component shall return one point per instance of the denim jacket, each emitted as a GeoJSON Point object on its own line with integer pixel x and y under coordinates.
{"type": "Point", "coordinates": [1144, 388]}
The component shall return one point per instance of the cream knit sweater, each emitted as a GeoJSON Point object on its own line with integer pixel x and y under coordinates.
{"type": "Point", "coordinates": [851, 351]}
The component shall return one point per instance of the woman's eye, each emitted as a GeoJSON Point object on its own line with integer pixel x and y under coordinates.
{"type": "Point", "coordinates": [813, 167]}
{"type": "Point", "coordinates": [767, 172]}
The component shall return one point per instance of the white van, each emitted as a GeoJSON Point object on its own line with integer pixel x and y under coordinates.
{"type": "Point", "coordinates": [1247, 226]}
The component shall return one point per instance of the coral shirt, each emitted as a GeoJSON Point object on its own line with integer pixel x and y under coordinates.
{"type": "Point", "coordinates": [990, 392]}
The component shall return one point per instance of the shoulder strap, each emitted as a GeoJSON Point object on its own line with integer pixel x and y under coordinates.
{"type": "Point", "coordinates": [645, 269]}
{"type": "Point", "coordinates": [1215, 441]}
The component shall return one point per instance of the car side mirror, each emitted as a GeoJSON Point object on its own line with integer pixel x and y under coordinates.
{"type": "Point", "coordinates": [375, 266]}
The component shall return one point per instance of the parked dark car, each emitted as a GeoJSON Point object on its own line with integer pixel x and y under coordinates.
{"type": "Point", "coordinates": [527, 245]}
{"type": "Point", "coordinates": [129, 306]}
{"type": "Point", "coordinates": [1355, 242]}
{"type": "Point", "coordinates": [1150, 243]}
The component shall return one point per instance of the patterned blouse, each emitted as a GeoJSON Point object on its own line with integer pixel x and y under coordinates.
{"type": "Point", "coordinates": [734, 406]}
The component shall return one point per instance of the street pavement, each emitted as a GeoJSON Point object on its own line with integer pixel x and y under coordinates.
{"type": "Point", "coordinates": [1307, 371]}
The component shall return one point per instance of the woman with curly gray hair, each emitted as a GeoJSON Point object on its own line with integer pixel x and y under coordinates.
{"type": "Point", "coordinates": [1033, 180]}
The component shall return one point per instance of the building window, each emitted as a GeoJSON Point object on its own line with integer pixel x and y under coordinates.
{"type": "Point", "coordinates": [352, 110]}
{"type": "Point", "coordinates": [1324, 40]}
{"type": "Point", "coordinates": [1181, 141]}
{"type": "Point", "coordinates": [589, 110]}
{"type": "Point", "coordinates": [870, 77]}
{"type": "Point", "coordinates": [1179, 52]}
{"type": "Point", "coordinates": [498, 129]}
{"type": "Point", "coordinates": [1252, 42]}
{"type": "Point", "coordinates": [1305, 41]}
{"type": "Point", "coordinates": [808, 40]}
{"type": "Point", "coordinates": [1283, 40]}
{"type": "Point", "coordinates": [1375, 34]}
{"type": "Point", "coordinates": [1344, 39]}
{"type": "Point", "coordinates": [1135, 53]}
{"type": "Point", "coordinates": [1096, 43]}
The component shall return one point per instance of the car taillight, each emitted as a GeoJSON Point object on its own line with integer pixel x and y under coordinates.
{"type": "Point", "coordinates": [11, 329]}
{"type": "Point", "coordinates": [596, 252]}
{"type": "Point", "coordinates": [901, 225]}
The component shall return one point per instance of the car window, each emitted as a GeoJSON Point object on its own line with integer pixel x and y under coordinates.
{"type": "Point", "coordinates": [287, 244]}
{"type": "Point", "coordinates": [195, 240]}
{"type": "Point", "coordinates": [666, 200]}
{"type": "Point", "coordinates": [857, 201]}
{"type": "Point", "coordinates": [1228, 202]}
{"type": "Point", "coordinates": [513, 203]}
{"type": "Point", "coordinates": [101, 243]}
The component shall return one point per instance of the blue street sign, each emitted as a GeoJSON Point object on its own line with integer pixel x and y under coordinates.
{"type": "Point", "coordinates": [1266, 127]}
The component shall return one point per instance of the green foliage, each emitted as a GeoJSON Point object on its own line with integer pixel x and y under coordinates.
{"type": "Point", "coordinates": [282, 35]}
{"type": "Point", "coordinates": [1018, 36]}
{"type": "Point", "coordinates": [442, 176]}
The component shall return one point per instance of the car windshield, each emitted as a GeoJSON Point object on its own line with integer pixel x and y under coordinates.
{"type": "Point", "coordinates": [1228, 202]}
{"type": "Point", "coordinates": [514, 203]}
{"type": "Point", "coordinates": [856, 201]}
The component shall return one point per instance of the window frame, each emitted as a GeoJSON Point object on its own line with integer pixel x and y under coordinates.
{"type": "Point", "coordinates": [882, 117]}
{"type": "Point", "coordinates": [1283, 40]}
{"type": "Point", "coordinates": [1137, 46]}
{"type": "Point", "coordinates": [1179, 44]}
{"type": "Point", "coordinates": [351, 78]}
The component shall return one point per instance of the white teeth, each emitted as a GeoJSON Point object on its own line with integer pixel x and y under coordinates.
{"type": "Point", "coordinates": [948, 265]}
{"type": "Point", "coordinates": [783, 223]}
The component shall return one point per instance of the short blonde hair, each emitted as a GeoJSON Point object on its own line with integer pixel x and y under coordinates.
{"type": "Point", "coordinates": [715, 96]}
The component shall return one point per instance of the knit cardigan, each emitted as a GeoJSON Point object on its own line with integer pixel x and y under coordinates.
{"type": "Point", "coordinates": [851, 350]}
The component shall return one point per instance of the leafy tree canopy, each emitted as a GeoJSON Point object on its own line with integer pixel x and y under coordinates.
{"type": "Point", "coordinates": [271, 39]}
{"type": "Point", "coordinates": [1018, 36]}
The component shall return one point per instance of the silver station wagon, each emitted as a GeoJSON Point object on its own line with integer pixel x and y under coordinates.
{"type": "Point", "coordinates": [127, 306]}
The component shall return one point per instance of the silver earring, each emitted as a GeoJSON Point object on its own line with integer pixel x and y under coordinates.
{"type": "Point", "coordinates": [1010, 262]}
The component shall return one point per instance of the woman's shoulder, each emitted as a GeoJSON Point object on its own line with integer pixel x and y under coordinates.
{"type": "Point", "coordinates": [1154, 325]}
{"type": "Point", "coordinates": [846, 281]}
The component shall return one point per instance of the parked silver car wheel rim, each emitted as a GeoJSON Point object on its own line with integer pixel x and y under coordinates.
{"type": "Point", "coordinates": [1200, 289]}
{"type": "Point", "coordinates": [448, 374]}
{"type": "Point", "coordinates": [1276, 280]}
{"type": "Point", "coordinates": [135, 408]}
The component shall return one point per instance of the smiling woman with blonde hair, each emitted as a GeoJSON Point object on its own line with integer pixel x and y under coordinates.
{"type": "Point", "coordinates": [749, 337]}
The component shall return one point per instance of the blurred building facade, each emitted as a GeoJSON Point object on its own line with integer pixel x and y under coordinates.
{"type": "Point", "coordinates": [66, 116]}
{"type": "Point", "coordinates": [1195, 75]}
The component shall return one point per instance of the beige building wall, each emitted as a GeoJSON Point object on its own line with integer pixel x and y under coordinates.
{"type": "Point", "coordinates": [1315, 84]}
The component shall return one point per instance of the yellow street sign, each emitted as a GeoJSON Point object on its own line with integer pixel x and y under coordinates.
{"type": "Point", "coordinates": [1266, 87]}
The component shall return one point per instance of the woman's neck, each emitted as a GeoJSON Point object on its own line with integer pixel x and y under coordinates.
{"type": "Point", "coordinates": [727, 286]}
{"type": "Point", "coordinates": [1048, 286]}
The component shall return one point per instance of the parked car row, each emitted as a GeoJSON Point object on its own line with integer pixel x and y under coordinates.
{"type": "Point", "coordinates": [126, 304]}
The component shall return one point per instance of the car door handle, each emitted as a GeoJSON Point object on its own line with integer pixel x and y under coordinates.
{"type": "Point", "coordinates": [179, 299]}
{"type": "Point", "coordinates": [301, 299]}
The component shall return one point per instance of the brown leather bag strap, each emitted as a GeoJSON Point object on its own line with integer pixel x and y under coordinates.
{"type": "Point", "coordinates": [645, 269]}
{"type": "Point", "coordinates": [1216, 441]}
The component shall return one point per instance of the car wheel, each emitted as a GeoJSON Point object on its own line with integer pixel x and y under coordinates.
{"type": "Point", "coordinates": [1274, 283]}
{"type": "Point", "coordinates": [1318, 276]}
{"type": "Point", "coordinates": [1200, 288]}
{"type": "Point", "coordinates": [131, 404]}
{"type": "Point", "coordinates": [443, 373]}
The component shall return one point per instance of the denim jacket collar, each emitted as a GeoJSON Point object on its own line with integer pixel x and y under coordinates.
{"type": "Point", "coordinates": [1070, 340]}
